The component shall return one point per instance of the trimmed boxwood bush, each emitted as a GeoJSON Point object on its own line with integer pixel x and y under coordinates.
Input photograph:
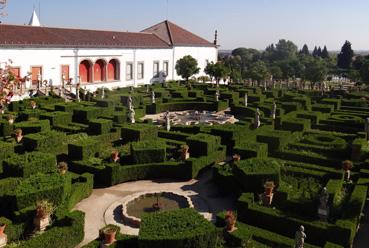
{"type": "Point", "coordinates": [251, 150]}
{"type": "Point", "coordinates": [139, 132]}
{"type": "Point", "coordinates": [83, 148]}
{"type": "Point", "coordinates": [33, 126]}
{"type": "Point", "coordinates": [53, 187]}
{"type": "Point", "coordinates": [253, 173]}
{"type": "Point", "coordinates": [100, 126]}
{"type": "Point", "coordinates": [43, 141]}
{"type": "Point", "coordinates": [57, 118]}
{"type": "Point", "coordinates": [66, 233]}
{"type": "Point", "coordinates": [183, 228]}
{"type": "Point", "coordinates": [67, 107]}
{"type": "Point", "coordinates": [202, 144]}
{"type": "Point", "coordinates": [28, 164]}
{"type": "Point", "coordinates": [6, 149]}
{"type": "Point", "coordinates": [144, 152]}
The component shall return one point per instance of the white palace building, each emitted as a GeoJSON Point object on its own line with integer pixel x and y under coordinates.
{"type": "Point", "coordinates": [96, 58]}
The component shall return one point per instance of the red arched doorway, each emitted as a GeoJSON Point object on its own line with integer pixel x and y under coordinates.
{"type": "Point", "coordinates": [100, 71]}
{"type": "Point", "coordinates": [85, 71]}
{"type": "Point", "coordinates": [113, 70]}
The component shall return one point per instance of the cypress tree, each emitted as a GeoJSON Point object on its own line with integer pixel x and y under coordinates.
{"type": "Point", "coordinates": [344, 58]}
{"type": "Point", "coordinates": [325, 53]}
{"type": "Point", "coordinates": [315, 52]}
{"type": "Point", "coordinates": [305, 50]}
{"type": "Point", "coordinates": [319, 52]}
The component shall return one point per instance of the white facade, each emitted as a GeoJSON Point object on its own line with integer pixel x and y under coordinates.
{"type": "Point", "coordinates": [52, 59]}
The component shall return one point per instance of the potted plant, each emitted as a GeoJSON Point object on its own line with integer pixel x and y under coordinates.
{"type": "Point", "coordinates": [236, 157]}
{"type": "Point", "coordinates": [347, 165]}
{"type": "Point", "coordinates": [184, 152]}
{"type": "Point", "coordinates": [11, 119]}
{"type": "Point", "coordinates": [62, 168]}
{"type": "Point", "coordinates": [114, 157]}
{"type": "Point", "coordinates": [230, 219]}
{"type": "Point", "coordinates": [2, 228]}
{"type": "Point", "coordinates": [44, 209]}
{"type": "Point", "coordinates": [33, 104]}
{"type": "Point", "coordinates": [109, 234]}
{"type": "Point", "coordinates": [269, 186]}
{"type": "Point", "coordinates": [18, 135]}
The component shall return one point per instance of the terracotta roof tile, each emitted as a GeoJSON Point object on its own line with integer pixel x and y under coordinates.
{"type": "Point", "coordinates": [14, 35]}
{"type": "Point", "coordinates": [176, 36]}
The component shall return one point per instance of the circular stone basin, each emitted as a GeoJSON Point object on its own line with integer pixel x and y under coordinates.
{"type": "Point", "coordinates": [148, 202]}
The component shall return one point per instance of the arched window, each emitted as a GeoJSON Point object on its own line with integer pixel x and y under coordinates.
{"type": "Point", "coordinates": [85, 71]}
{"type": "Point", "coordinates": [113, 70]}
{"type": "Point", "coordinates": [100, 71]}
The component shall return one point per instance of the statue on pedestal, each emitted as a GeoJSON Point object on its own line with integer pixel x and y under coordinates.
{"type": "Point", "coordinates": [274, 111]}
{"type": "Point", "coordinates": [131, 115]}
{"type": "Point", "coordinates": [167, 121]}
{"type": "Point", "coordinates": [323, 210]}
{"type": "Point", "coordinates": [217, 96]}
{"type": "Point", "coordinates": [257, 118]}
{"type": "Point", "coordinates": [130, 102]}
{"type": "Point", "coordinates": [103, 93]}
{"type": "Point", "coordinates": [300, 237]}
{"type": "Point", "coordinates": [152, 97]}
{"type": "Point", "coordinates": [245, 100]}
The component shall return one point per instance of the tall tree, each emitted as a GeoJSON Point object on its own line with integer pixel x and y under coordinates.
{"type": "Point", "coordinates": [285, 49]}
{"type": "Point", "coordinates": [325, 54]}
{"type": "Point", "coordinates": [258, 71]}
{"type": "Point", "coordinates": [344, 58]}
{"type": "Point", "coordinates": [315, 52]}
{"type": "Point", "coordinates": [217, 71]}
{"type": "Point", "coordinates": [187, 67]}
{"type": "Point", "coordinates": [316, 71]}
{"type": "Point", "coordinates": [364, 71]}
{"type": "Point", "coordinates": [305, 50]}
{"type": "Point", "coordinates": [319, 52]}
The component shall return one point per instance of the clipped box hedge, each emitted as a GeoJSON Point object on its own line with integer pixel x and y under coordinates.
{"type": "Point", "coordinates": [53, 187]}
{"type": "Point", "coordinates": [202, 144]}
{"type": "Point", "coordinates": [139, 132]}
{"type": "Point", "coordinates": [144, 152]}
{"type": "Point", "coordinates": [83, 148]}
{"type": "Point", "coordinates": [25, 165]}
{"type": "Point", "coordinates": [253, 173]}
{"type": "Point", "coordinates": [183, 228]}
{"type": "Point", "coordinates": [33, 126]}
{"type": "Point", "coordinates": [57, 118]}
{"type": "Point", "coordinates": [100, 126]}
{"type": "Point", "coordinates": [43, 141]}
{"type": "Point", "coordinates": [6, 149]}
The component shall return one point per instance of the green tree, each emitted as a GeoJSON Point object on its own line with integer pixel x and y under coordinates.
{"type": "Point", "coordinates": [325, 54]}
{"type": "Point", "coordinates": [315, 52]}
{"type": "Point", "coordinates": [315, 70]}
{"type": "Point", "coordinates": [243, 58]}
{"type": "Point", "coordinates": [319, 52]}
{"type": "Point", "coordinates": [258, 71]}
{"type": "Point", "coordinates": [364, 71]}
{"type": "Point", "coordinates": [344, 58]}
{"type": "Point", "coordinates": [276, 71]}
{"type": "Point", "coordinates": [305, 50]}
{"type": "Point", "coordinates": [217, 71]}
{"type": "Point", "coordinates": [187, 67]}
{"type": "Point", "coordinates": [283, 50]}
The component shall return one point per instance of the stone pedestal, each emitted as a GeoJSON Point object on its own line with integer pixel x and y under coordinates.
{"type": "Point", "coordinates": [323, 213]}
{"type": "Point", "coordinates": [104, 245]}
{"type": "Point", "coordinates": [41, 223]}
{"type": "Point", "coordinates": [3, 240]}
{"type": "Point", "coordinates": [185, 156]}
{"type": "Point", "coordinates": [267, 199]}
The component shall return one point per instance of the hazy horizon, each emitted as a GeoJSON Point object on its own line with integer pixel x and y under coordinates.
{"type": "Point", "coordinates": [240, 23]}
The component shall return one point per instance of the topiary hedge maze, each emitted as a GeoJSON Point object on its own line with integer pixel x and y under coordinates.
{"type": "Point", "coordinates": [301, 151]}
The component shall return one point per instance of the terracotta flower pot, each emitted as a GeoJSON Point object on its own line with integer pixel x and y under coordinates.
{"type": "Point", "coordinates": [236, 158]}
{"type": "Point", "coordinates": [269, 186]}
{"type": "Point", "coordinates": [40, 213]}
{"type": "Point", "coordinates": [2, 228]}
{"type": "Point", "coordinates": [109, 235]}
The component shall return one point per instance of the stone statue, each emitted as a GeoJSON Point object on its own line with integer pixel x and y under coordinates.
{"type": "Point", "coordinates": [147, 88]}
{"type": "Point", "coordinates": [257, 118]}
{"type": "Point", "coordinates": [274, 110]}
{"type": "Point", "coordinates": [103, 93]}
{"type": "Point", "coordinates": [167, 121]}
{"type": "Point", "coordinates": [367, 128]}
{"type": "Point", "coordinates": [152, 97]}
{"type": "Point", "coordinates": [323, 198]}
{"type": "Point", "coordinates": [300, 237]}
{"type": "Point", "coordinates": [265, 85]}
{"type": "Point", "coordinates": [217, 96]}
{"type": "Point", "coordinates": [245, 100]}
{"type": "Point", "coordinates": [132, 115]}
{"type": "Point", "coordinates": [130, 102]}
{"type": "Point", "coordinates": [84, 93]}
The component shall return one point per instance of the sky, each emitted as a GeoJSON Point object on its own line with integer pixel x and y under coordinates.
{"type": "Point", "coordinates": [240, 23]}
